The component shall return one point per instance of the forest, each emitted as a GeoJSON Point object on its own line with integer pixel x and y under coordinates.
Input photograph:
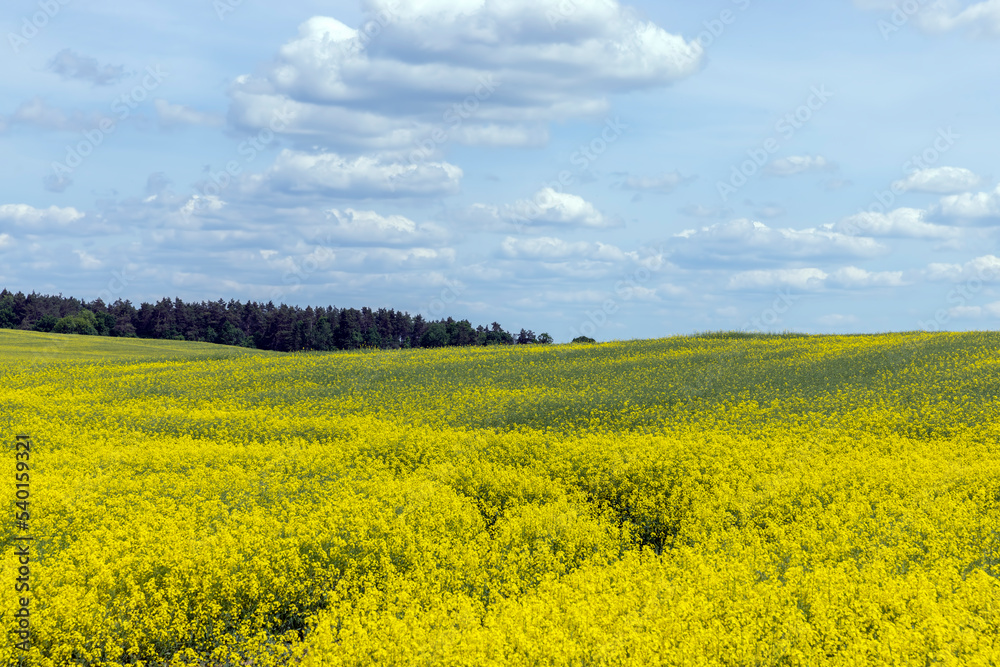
{"type": "Point", "coordinates": [262, 326]}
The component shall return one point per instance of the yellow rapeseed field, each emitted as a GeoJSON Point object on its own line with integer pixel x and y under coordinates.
{"type": "Point", "coordinates": [708, 500]}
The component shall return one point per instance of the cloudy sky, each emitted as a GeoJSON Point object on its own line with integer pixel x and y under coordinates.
{"type": "Point", "coordinates": [569, 166]}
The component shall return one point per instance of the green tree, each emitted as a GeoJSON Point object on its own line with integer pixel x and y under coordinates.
{"type": "Point", "coordinates": [105, 323]}
{"type": "Point", "coordinates": [435, 336]}
{"type": "Point", "coordinates": [460, 333]}
{"type": "Point", "coordinates": [45, 323]}
{"type": "Point", "coordinates": [372, 338]}
{"type": "Point", "coordinates": [83, 323]}
{"type": "Point", "coordinates": [123, 327]}
{"type": "Point", "coordinates": [230, 335]}
{"type": "Point", "coordinates": [497, 336]}
{"type": "Point", "coordinates": [348, 335]}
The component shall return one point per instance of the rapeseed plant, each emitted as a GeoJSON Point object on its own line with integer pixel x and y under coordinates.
{"type": "Point", "coordinates": [717, 500]}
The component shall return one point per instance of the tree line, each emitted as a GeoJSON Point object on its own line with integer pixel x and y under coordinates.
{"type": "Point", "coordinates": [256, 325]}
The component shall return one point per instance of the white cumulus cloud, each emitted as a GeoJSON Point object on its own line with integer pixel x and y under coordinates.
{"type": "Point", "coordinates": [851, 277]}
{"type": "Point", "coordinates": [31, 218]}
{"type": "Point", "coordinates": [533, 61]}
{"type": "Point", "coordinates": [982, 18]}
{"type": "Point", "coordinates": [295, 172]}
{"type": "Point", "coordinates": [370, 228]}
{"type": "Point", "coordinates": [88, 261]}
{"type": "Point", "coordinates": [940, 16]}
{"type": "Point", "coordinates": [898, 223]}
{"type": "Point", "coordinates": [798, 164]}
{"type": "Point", "coordinates": [939, 180]}
{"type": "Point", "coordinates": [554, 249]}
{"type": "Point", "coordinates": [985, 268]}
{"type": "Point", "coordinates": [970, 205]}
{"type": "Point", "coordinates": [752, 241]}
{"type": "Point", "coordinates": [177, 114]}
{"type": "Point", "coordinates": [808, 279]}
{"type": "Point", "coordinates": [662, 184]}
{"type": "Point", "coordinates": [547, 207]}
{"type": "Point", "coordinates": [803, 279]}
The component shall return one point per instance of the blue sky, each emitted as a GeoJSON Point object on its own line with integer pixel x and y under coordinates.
{"type": "Point", "coordinates": [568, 166]}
